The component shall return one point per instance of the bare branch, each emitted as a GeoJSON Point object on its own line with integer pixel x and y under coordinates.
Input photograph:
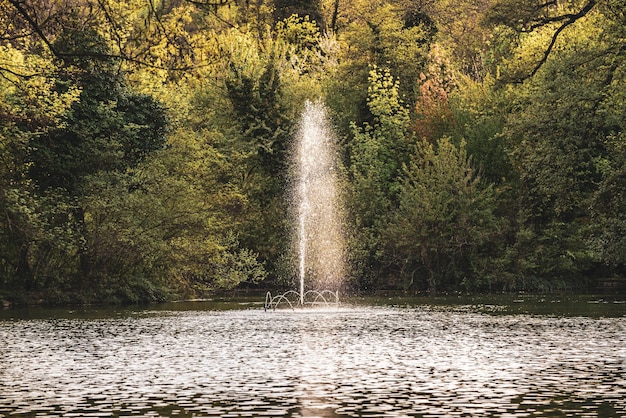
{"type": "Point", "coordinates": [4, 71]}
{"type": "Point", "coordinates": [15, 37]}
{"type": "Point", "coordinates": [33, 24]}
{"type": "Point", "coordinates": [571, 18]}
{"type": "Point", "coordinates": [37, 29]}
{"type": "Point", "coordinates": [567, 20]}
{"type": "Point", "coordinates": [209, 3]}
{"type": "Point", "coordinates": [44, 21]}
{"type": "Point", "coordinates": [113, 23]}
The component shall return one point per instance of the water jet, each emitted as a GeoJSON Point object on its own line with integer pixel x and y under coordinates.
{"type": "Point", "coordinates": [317, 211]}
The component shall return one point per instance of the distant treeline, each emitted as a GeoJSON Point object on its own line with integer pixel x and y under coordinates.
{"type": "Point", "coordinates": [144, 144]}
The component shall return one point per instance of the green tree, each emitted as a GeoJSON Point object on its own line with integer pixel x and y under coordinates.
{"type": "Point", "coordinates": [558, 135]}
{"type": "Point", "coordinates": [171, 226]}
{"type": "Point", "coordinates": [383, 35]}
{"type": "Point", "coordinates": [443, 234]}
{"type": "Point", "coordinates": [36, 247]}
{"type": "Point", "coordinates": [78, 129]}
{"type": "Point", "coordinates": [377, 153]}
{"type": "Point", "coordinates": [607, 240]}
{"type": "Point", "coordinates": [265, 131]}
{"type": "Point", "coordinates": [108, 128]}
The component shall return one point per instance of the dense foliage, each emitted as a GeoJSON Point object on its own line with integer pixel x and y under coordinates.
{"type": "Point", "coordinates": [144, 145]}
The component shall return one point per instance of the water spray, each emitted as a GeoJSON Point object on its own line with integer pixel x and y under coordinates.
{"type": "Point", "coordinates": [317, 205]}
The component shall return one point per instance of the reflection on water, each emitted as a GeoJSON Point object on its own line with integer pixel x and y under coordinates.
{"type": "Point", "coordinates": [351, 361]}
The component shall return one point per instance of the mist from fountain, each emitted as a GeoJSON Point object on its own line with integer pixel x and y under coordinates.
{"type": "Point", "coordinates": [321, 252]}
{"type": "Point", "coordinates": [318, 209]}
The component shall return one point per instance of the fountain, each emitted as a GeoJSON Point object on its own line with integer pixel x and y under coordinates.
{"type": "Point", "coordinates": [318, 209]}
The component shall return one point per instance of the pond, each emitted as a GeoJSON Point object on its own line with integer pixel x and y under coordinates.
{"type": "Point", "coordinates": [385, 357]}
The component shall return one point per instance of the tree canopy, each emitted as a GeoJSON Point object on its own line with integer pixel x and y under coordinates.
{"type": "Point", "coordinates": [145, 145]}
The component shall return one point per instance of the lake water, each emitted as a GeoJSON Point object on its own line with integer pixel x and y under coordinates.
{"type": "Point", "coordinates": [392, 357]}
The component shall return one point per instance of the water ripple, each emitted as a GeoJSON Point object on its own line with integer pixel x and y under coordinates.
{"type": "Point", "coordinates": [361, 361]}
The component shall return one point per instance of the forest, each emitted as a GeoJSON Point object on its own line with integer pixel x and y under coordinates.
{"type": "Point", "coordinates": [144, 144]}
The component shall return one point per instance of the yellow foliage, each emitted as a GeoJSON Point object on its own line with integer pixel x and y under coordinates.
{"type": "Point", "coordinates": [28, 91]}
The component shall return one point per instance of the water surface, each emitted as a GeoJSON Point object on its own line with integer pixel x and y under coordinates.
{"type": "Point", "coordinates": [389, 359]}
